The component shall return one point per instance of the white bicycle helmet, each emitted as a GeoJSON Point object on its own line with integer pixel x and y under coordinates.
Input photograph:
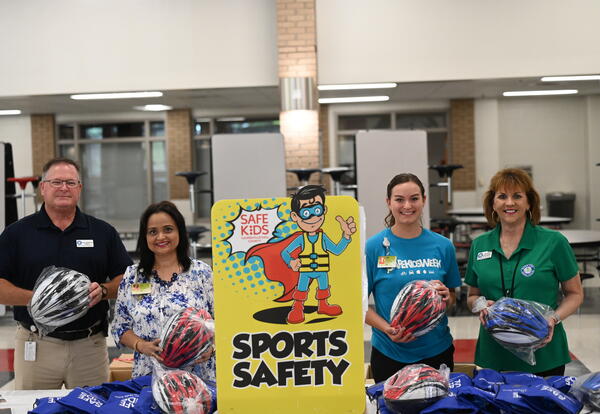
{"type": "Point", "coordinates": [60, 296]}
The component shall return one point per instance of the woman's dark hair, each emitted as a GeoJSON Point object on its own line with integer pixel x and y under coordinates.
{"type": "Point", "coordinates": [401, 179]}
{"type": "Point", "coordinates": [511, 179]}
{"type": "Point", "coordinates": [146, 255]}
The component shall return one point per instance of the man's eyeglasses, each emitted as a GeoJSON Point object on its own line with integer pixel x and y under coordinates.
{"type": "Point", "coordinates": [59, 183]}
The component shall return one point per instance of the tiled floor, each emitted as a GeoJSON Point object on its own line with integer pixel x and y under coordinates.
{"type": "Point", "coordinates": [583, 331]}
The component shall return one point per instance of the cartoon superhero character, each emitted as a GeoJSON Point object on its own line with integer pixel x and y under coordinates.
{"type": "Point", "coordinates": [304, 255]}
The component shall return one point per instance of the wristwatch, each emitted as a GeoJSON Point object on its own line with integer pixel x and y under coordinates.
{"type": "Point", "coordinates": [556, 318]}
{"type": "Point", "coordinates": [104, 291]}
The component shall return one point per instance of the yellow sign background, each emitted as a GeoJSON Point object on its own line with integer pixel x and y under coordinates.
{"type": "Point", "coordinates": [326, 349]}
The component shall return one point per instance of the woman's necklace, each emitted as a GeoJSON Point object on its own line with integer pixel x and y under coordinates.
{"type": "Point", "coordinates": [168, 271]}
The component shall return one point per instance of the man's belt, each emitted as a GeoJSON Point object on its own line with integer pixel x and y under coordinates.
{"type": "Point", "coordinates": [70, 335]}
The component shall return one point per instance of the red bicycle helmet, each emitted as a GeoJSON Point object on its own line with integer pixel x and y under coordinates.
{"type": "Point", "coordinates": [418, 308]}
{"type": "Point", "coordinates": [413, 388]}
{"type": "Point", "coordinates": [181, 392]}
{"type": "Point", "coordinates": [185, 337]}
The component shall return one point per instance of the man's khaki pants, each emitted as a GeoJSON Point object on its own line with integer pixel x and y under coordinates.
{"type": "Point", "coordinates": [78, 363]}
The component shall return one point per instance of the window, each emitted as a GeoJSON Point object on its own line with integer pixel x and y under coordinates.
{"type": "Point", "coordinates": [124, 166]}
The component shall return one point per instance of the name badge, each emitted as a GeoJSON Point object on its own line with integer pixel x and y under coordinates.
{"type": "Point", "coordinates": [141, 288]}
{"type": "Point", "coordinates": [84, 243]}
{"type": "Point", "coordinates": [386, 262]}
{"type": "Point", "coordinates": [484, 255]}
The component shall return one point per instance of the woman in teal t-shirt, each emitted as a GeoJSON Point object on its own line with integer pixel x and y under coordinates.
{"type": "Point", "coordinates": [413, 253]}
{"type": "Point", "coordinates": [522, 260]}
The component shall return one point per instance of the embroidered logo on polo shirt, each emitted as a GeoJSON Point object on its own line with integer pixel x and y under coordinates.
{"type": "Point", "coordinates": [527, 270]}
{"type": "Point", "coordinates": [484, 255]}
{"type": "Point", "coordinates": [84, 243]}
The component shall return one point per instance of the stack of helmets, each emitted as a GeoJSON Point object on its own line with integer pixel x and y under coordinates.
{"type": "Point", "coordinates": [60, 296]}
{"type": "Point", "coordinates": [516, 322]}
{"type": "Point", "coordinates": [414, 388]}
{"type": "Point", "coordinates": [181, 392]}
{"type": "Point", "coordinates": [186, 335]}
{"type": "Point", "coordinates": [418, 308]}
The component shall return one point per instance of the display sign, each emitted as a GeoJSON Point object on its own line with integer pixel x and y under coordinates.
{"type": "Point", "coordinates": [288, 310]}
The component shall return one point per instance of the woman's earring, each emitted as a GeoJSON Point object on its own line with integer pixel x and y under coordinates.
{"type": "Point", "coordinates": [530, 215]}
{"type": "Point", "coordinates": [495, 219]}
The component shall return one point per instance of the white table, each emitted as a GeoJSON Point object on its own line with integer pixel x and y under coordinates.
{"type": "Point", "coordinates": [22, 401]}
{"type": "Point", "coordinates": [467, 211]}
{"type": "Point", "coordinates": [544, 220]}
{"type": "Point", "coordinates": [582, 238]}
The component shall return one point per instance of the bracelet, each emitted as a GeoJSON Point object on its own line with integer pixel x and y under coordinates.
{"type": "Point", "coordinates": [135, 345]}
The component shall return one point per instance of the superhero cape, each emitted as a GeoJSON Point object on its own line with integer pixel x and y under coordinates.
{"type": "Point", "coordinates": [275, 268]}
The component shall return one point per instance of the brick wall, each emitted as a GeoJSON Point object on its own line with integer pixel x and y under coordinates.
{"type": "Point", "coordinates": [179, 150]}
{"type": "Point", "coordinates": [297, 38]}
{"type": "Point", "coordinates": [462, 130]}
{"type": "Point", "coordinates": [297, 57]}
{"type": "Point", "coordinates": [43, 140]}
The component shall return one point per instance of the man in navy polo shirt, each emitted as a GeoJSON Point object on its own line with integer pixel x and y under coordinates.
{"type": "Point", "coordinates": [61, 235]}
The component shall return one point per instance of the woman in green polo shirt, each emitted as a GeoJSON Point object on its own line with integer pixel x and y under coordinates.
{"type": "Point", "coordinates": [522, 260]}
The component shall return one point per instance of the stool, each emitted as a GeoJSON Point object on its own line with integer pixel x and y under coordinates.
{"type": "Point", "coordinates": [303, 174]}
{"type": "Point", "coordinates": [445, 170]}
{"type": "Point", "coordinates": [194, 233]}
{"type": "Point", "coordinates": [336, 175]}
{"type": "Point", "coordinates": [191, 177]}
{"type": "Point", "coordinates": [22, 181]}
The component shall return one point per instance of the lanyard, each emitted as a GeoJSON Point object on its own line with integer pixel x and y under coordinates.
{"type": "Point", "coordinates": [506, 292]}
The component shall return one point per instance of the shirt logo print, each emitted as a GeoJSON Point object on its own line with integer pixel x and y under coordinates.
{"type": "Point", "coordinates": [527, 270]}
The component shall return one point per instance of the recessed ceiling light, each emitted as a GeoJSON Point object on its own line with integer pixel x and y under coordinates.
{"type": "Point", "coordinates": [542, 92]}
{"type": "Point", "coordinates": [570, 78]}
{"type": "Point", "coordinates": [10, 111]}
{"type": "Point", "coordinates": [383, 85]}
{"type": "Point", "coordinates": [231, 119]}
{"type": "Point", "coordinates": [153, 107]}
{"type": "Point", "coordinates": [353, 99]}
{"type": "Point", "coordinates": [117, 95]}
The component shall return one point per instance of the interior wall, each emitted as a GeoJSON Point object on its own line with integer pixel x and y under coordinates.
{"type": "Point", "coordinates": [67, 46]}
{"type": "Point", "coordinates": [407, 40]}
{"type": "Point", "coordinates": [593, 151]}
{"type": "Point", "coordinates": [550, 135]}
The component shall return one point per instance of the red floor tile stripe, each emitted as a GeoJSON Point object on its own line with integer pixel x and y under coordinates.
{"type": "Point", "coordinates": [6, 360]}
{"type": "Point", "coordinates": [464, 350]}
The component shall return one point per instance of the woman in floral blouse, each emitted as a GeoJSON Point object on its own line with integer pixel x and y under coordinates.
{"type": "Point", "coordinates": [165, 281]}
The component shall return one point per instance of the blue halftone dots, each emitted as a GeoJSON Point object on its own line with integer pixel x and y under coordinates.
{"type": "Point", "coordinates": [219, 228]}
{"type": "Point", "coordinates": [245, 288]}
{"type": "Point", "coordinates": [220, 253]}
{"type": "Point", "coordinates": [257, 204]}
{"type": "Point", "coordinates": [232, 214]}
{"type": "Point", "coordinates": [265, 202]}
{"type": "Point", "coordinates": [249, 277]}
{"type": "Point", "coordinates": [235, 265]}
{"type": "Point", "coordinates": [241, 280]}
{"type": "Point", "coordinates": [246, 270]}
{"type": "Point", "coordinates": [222, 234]}
{"type": "Point", "coordinates": [226, 268]}
{"type": "Point", "coordinates": [230, 276]}
{"type": "Point", "coordinates": [264, 290]}
{"type": "Point", "coordinates": [257, 275]}
{"type": "Point", "coordinates": [224, 261]}
{"type": "Point", "coordinates": [252, 285]}
{"type": "Point", "coordinates": [261, 282]}
{"type": "Point", "coordinates": [254, 267]}
{"type": "Point", "coordinates": [272, 286]}
{"type": "Point", "coordinates": [238, 273]}
{"type": "Point", "coordinates": [288, 211]}
{"type": "Point", "coordinates": [232, 258]}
